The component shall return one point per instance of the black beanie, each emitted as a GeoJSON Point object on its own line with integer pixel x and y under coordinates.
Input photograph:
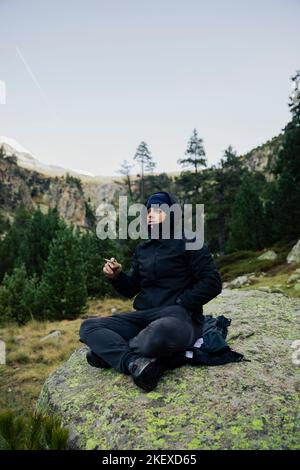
{"type": "Point", "coordinates": [161, 197]}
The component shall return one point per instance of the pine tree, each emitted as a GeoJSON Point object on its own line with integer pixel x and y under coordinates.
{"type": "Point", "coordinates": [247, 223]}
{"type": "Point", "coordinates": [42, 230]}
{"type": "Point", "coordinates": [144, 157]}
{"type": "Point", "coordinates": [27, 241]}
{"type": "Point", "coordinates": [18, 297]}
{"type": "Point", "coordinates": [195, 153]}
{"type": "Point", "coordinates": [125, 171]}
{"type": "Point", "coordinates": [95, 250]}
{"type": "Point", "coordinates": [4, 222]}
{"type": "Point", "coordinates": [218, 195]}
{"type": "Point", "coordinates": [11, 251]}
{"type": "Point", "coordinates": [62, 292]}
{"type": "Point", "coordinates": [287, 171]}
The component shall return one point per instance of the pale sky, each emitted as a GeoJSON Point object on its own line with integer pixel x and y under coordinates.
{"type": "Point", "coordinates": [87, 81]}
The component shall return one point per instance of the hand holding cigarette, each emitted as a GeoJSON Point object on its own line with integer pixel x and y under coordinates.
{"type": "Point", "coordinates": [112, 268]}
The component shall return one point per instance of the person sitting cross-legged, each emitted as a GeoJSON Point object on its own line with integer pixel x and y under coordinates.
{"type": "Point", "coordinates": [169, 284]}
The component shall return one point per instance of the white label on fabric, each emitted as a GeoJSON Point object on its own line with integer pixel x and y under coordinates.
{"type": "Point", "coordinates": [198, 343]}
{"type": "Point", "coordinates": [189, 354]}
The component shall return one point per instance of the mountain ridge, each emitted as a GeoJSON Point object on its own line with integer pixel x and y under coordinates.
{"type": "Point", "coordinates": [26, 180]}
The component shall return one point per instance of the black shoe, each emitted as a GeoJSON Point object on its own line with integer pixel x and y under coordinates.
{"type": "Point", "coordinates": [176, 360]}
{"type": "Point", "coordinates": [146, 372]}
{"type": "Point", "coordinates": [96, 361]}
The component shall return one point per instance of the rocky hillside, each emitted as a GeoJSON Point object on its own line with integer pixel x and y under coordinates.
{"type": "Point", "coordinates": [19, 186]}
{"type": "Point", "coordinates": [263, 157]}
{"type": "Point", "coordinates": [92, 190]}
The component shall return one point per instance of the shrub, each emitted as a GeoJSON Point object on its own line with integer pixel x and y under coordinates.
{"type": "Point", "coordinates": [62, 293]}
{"type": "Point", "coordinates": [32, 432]}
{"type": "Point", "coordinates": [18, 296]}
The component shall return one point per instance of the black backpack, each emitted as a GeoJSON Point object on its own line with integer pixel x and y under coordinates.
{"type": "Point", "coordinates": [214, 351]}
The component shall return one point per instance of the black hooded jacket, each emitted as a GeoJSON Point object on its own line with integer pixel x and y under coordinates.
{"type": "Point", "coordinates": [163, 272]}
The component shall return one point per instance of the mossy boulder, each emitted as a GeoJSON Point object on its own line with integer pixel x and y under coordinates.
{"type": "Point", "coordinates": [246, 405]}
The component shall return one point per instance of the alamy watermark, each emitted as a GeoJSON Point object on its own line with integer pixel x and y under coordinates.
{"type": "Point", "coordinates": [182, 222]}
{"type": "Point", "coordinates": [2, 353]}
{"type": "Point", "coordinates": [296, 353]}
{"type": "Point", "coordinates": [2, 92]}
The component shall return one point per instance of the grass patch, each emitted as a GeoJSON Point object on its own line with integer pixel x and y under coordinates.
{"type": "Point", "coordinates": [279, 280]}
{"type": "Point", "coordinates": [30, 361]}
{"type": "Point", "coordinates": [236, 264]}
{"type": "Point", "coordinates": [18, 357]}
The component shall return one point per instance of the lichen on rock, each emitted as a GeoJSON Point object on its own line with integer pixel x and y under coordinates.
{"type": "Point", "coordinates": [246, 405]}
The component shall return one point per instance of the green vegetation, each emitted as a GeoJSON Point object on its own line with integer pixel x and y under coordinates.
{"type": "Point", "coordinates": [63, 285]}
{"type": "Point", "coordinates": [4, 222]}
{"type": "Point", "coordinates": [48, 268]}
{"type": "Point", "coordinates": [195, 153]}
{"type": "Point", "coordinates": [31, 432]}
{"type": "Point", "coordinates": [144, 158]}
{"type": "Point", "coordinates": [17, 296]}
{"type": "Point", "coordinates": [247, 225]}
{"type": "Point", "coordinates": [287, 170]}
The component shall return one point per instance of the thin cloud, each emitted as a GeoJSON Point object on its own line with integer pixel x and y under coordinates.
{"type": "Point", "coordinates": [36, 82]}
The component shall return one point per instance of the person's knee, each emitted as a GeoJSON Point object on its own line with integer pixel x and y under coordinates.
{"type": "Point", "coordinates": [157, 348]}
{"type": "Point", "coordinates": [161, 338]}
{"type": "Point", "coordinates": [151, 347]}
{"type": "Point", "coordinates": [86, 327]}
{"type": "Point", "coordinates": [154, 349]}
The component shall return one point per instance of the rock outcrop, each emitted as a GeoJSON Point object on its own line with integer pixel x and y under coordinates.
{"type": "Point", "coordinates": [263, 158]}
{"type": "Point", "coordinates": [240, 281]}
{"type": "Point", "coordinates": [246, 405]}
{"type": "Point", "coordinates": [294, 254]}
{"type": "Point", "coordinates": [268, 255]}
{"type": "Point", "coordinates": [20, 186]}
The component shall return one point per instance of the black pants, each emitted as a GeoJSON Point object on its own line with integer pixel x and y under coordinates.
{"type": "Point", "coordinates": [155, 332]}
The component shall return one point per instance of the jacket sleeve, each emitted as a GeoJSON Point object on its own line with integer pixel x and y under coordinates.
{"type": "Point", "coordinates": [207, 280]}
{"type": "Point", "coordinates": [128, 284]}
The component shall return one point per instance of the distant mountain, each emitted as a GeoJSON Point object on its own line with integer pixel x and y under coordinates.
{"type": "Point", "coordinates": [32, 183]}
{"type": "Point", "coordinates": [27, 160]}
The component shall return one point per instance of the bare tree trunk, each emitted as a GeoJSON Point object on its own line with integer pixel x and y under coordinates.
{"type": "Point", "coordinates": [142, 181]}
{"type": "Point", "coordinates": [129, 186]}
